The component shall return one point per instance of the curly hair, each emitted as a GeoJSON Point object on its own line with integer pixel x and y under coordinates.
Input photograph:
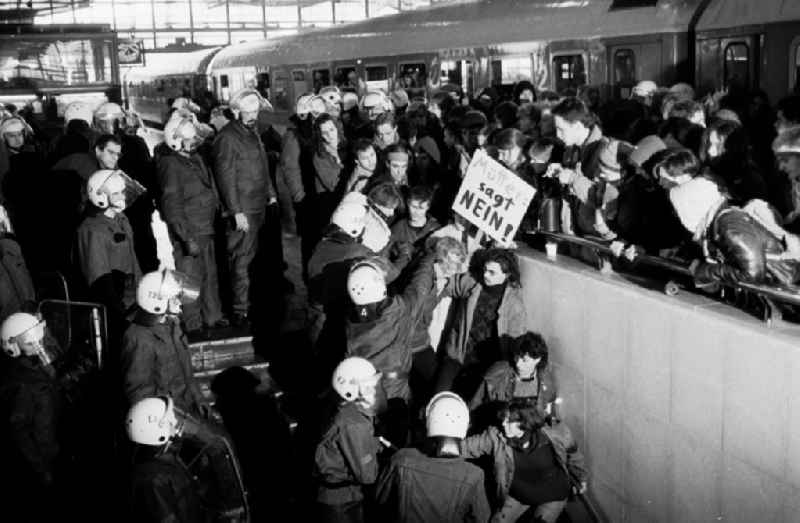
{"type": "Point", "coordinates": [531, 344]}
{"type": "Point", "coordinates": [508, 261]}
{"type": "Point", "coordinates": [528, 416]}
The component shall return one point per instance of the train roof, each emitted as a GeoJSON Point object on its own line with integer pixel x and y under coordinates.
{"type": "Point", "coordinates": [482, 23]}
{"type": "Point", "coordinates": [723, 14]}
{"type": "Point", "coordinates": [172, 64]}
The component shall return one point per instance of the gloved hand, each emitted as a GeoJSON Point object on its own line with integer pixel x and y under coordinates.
{"type": "Point", "coordinates": [191, 248]}
{"type": "Point", "coordinates": [241, 222]}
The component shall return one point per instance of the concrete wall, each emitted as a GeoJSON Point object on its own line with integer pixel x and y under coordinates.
{"type": "Point", "coordinates": [687, 410]}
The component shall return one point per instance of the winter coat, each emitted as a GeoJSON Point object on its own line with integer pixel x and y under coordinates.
{"type": "Point", "coordinates": [296, 164]}
{"type": "Point", "coordinates": [105, 245]}
{"type": "Point", "coordinates": [498, 385]}
{"type": "Point", "coordinates": [16, 287]}
{"type": "Point", "coordinates": [189, 199]}
{"type": "Point", "coordinates": [327, 171]}
{"type": "Point", "coordinates": [346, 458]}
{"type": "Point", "coordinates": [29, 439]}
{"type": "Point", "coordinates": [741, 245]}
{"type": "Point", "coordinates": [415, 488]}
{"type": "Point", "coordinates": [406, 241]}
{"type": "Point", "coordinates": [241, 168]}
{"type": "Point", "coordinates": [155, 361]}
{"type": "Point", "coordinates": [511, 315]}
{"type": "Point", "coordinates": [383, 337]}
{"type": "Point", "coordinates": [162, 489]}
{"type": "Point", "coordinates": [493, 443]}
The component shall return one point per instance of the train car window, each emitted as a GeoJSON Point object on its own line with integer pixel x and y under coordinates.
{"type": "Point", "coordinates": [377, 77]}
{"type": "Point", "coordinates": [223, 80]}
{"type": "Point", "coordinates": [737, 65]}
{"type": "Point", "coordinates": [624, 71]}
{"type": "Point", "coordinates": [322, 78]}
{"type": "Point", "coordinates": [569, 73]}
{"type": "Point", "coordinates": [625, 4]}
{"type": "Point", "coordinates": [263, 84]}
{"type": "Point", "coordinates": [298, 76]}
{"type": "Point", "coordinates": [346, 76]}
{"type": "Point", "coordinates": [413, 75]}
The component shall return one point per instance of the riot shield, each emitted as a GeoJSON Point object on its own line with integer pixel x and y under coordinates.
{"type": "Point", "coordinates": [77, 327]}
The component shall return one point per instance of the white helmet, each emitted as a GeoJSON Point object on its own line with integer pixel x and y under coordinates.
{"type": "Point", "coordinates": [376, 99]}
{"type": "Point", "coordinates": [366, 283]}
{"type": "Point", "coordinates": [447, 415]}
{"type": "Point", "coordinates": [317, 106]}
{"type": "Point", "coordinates": [349, 100]}
{"type": "Point", "coordinates": [156, 289]}
{"type": "Point", "coordinates": [249, 100]}
{"type": "Point", "coordinates": [333, 99]}
{"type": "Point", "coordinates": [109, 187]}
{"type": "Point", "coordinates": [182, 125]}
{"type": "Point", "coordinates": [21, 329]}
{"type": "Point", "coordinates": [351, 214]}
{"type": "Point", "coordinates": [351, 374]}
{"type": "Point", "coordinates": [78, 111]}
{"type": "Point", "coordinates": [152, 421]}
{"type": "Point", "coordinates": [109, 111]}
{"type": "Point", "coordinates": [302, 107]}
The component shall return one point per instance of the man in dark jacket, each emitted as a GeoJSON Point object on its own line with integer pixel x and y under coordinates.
{"type": "Point", "coordinates": [16, 287]}
{"type": "Point", "coordinates": [189, 204]}
{"type": "Point", "coordinates": [438, 485]}
{"type": "Point", "coordinates": [242, 172]}
{"type": "Point", "coordinates": [161, 487]}
{"type": "Point", "coordinates": [155, 356]}
{"type": "Point", "coordinates": [105, 250]}
{"type": "Point", "coordinates": [29, 409]}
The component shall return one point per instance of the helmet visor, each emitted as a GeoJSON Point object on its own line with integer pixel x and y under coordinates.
{"type": "Point", "coordinates": [182, 286]}
{"type": "Point", "coordinates": [121, 189]}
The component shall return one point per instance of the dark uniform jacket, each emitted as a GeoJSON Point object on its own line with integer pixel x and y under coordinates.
{"type": "Point", "coordinates": [346, 457]}
{"type": "Point", "coordinates": [493, 443]}
{"type": "Point", "coordinates": [16, 287]}
{"type": "Point", "coordinates": [162, 490]}
{"type": "Point", "coordinates": [415, 488]}
{"type": "Point", "coordinates": [156, 362]}
{"type": "Point", "coordinates": [29, 407]}
{"type": "Point", "coordinates": [241, 168]}
{"type": "Point", "coordinates": [382, 332]}
{"type": "Point", "coordinates": [189, 199]}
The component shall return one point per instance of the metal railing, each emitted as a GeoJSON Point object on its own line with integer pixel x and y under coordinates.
{"type": "Point", "coordinates": [769, 296]}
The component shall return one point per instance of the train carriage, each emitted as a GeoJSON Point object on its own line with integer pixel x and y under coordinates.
{"type": "Point", "coordinates": [559, 45]}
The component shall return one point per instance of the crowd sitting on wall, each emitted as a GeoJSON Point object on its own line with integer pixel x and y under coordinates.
{"type": "Point", "coordinates": [420, 360]}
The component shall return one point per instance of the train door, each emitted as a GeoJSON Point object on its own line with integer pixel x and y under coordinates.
{"type": "Point", "coordinates": [569, 71]}
{"type": "Point", "coordinates": [413, 77]}
{"type": "Point", "coordinates": [263, 84]}
{"type": "Point", "coordinates": [460, 73]}
{"type": "Point", "coordinates": [739, 62]}
{"type": "Point", "coordinates": [281, 97]}
{"type": "Point", "coordinates": [299, 83]}
{"type": "Point", "coordinates": [632, 63]}
{"type": "Point", "coordinates": [320, 77]}
{"type": "Point", "coordinates": [507, 71]}
{"type": "Point", "coordinates": [376, 77]}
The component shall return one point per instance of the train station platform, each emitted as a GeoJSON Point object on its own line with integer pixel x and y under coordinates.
{"type": "Point", "coordinates": [687, 409]}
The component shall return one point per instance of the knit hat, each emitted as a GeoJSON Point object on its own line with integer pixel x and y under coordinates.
{"type": "Point", "coordinates": [683, 90]}
{"type": "Point", "coordinates": [728, 115]}
{"type": "Point", "coordinates": [645, 149]}
{"type": "Point", "coordinates": [13, 125]}
{"type": "Point", "coordinates": [427, 145]}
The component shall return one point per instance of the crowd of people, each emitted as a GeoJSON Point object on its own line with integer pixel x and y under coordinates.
{"type": "Point", "coordinates": [420, 363]}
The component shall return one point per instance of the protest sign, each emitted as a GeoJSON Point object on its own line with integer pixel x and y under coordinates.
{"type": "Point", "coordinates": [493, 198]}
